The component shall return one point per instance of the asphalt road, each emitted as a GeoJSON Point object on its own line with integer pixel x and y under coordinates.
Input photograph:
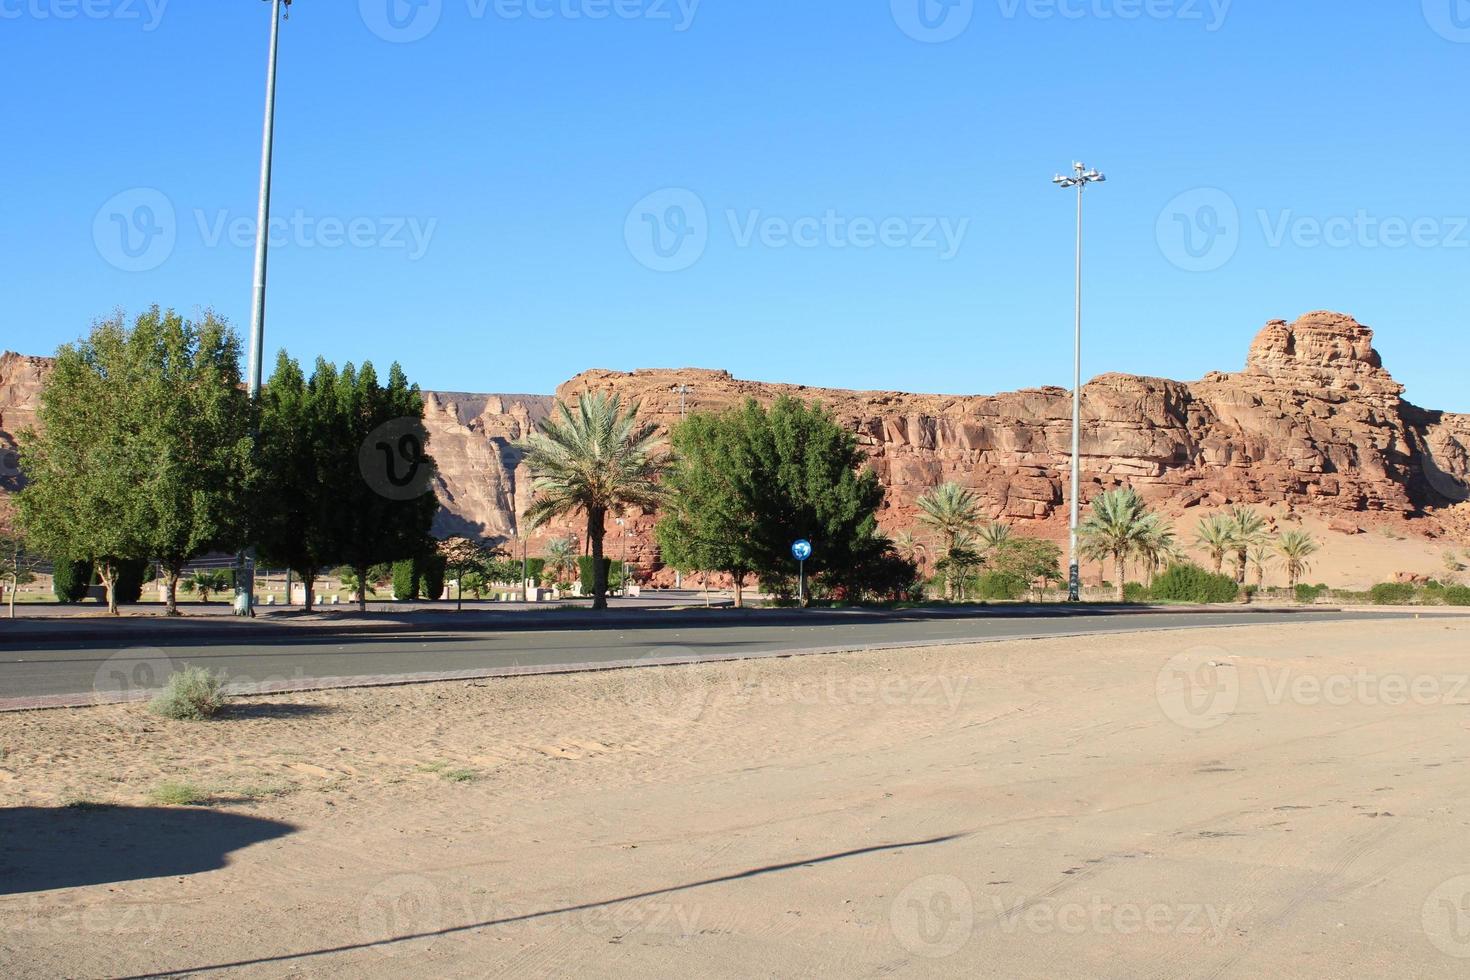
{"type": "Point", "coordinates": [93, 668]}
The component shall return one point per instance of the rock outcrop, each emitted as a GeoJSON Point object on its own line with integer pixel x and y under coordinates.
{"type": "Point", "coordinates": [1313, 422]}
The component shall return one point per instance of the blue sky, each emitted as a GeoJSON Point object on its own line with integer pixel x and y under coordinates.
{"type": "Point", "coordinates": [851, 193]}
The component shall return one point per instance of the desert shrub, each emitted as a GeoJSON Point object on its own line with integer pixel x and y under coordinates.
{"type": "Point", "coordinates": [178, 794]}
{"type": "Point", "coordinates": [191, 694]}
{"type": "Point", "coordinates": [1136, 592]}
{"type": "Point", "coordinates": [1000, 587]}
{"type": "Point", "coordinates": [405, 580]}
{"type": "Point", "coordinates": [1190, 583]}
{"type": "Point", "coordinates": [1308, 594]}
{"type": "Point", "coordinates": [1391, 594]}
{"type": "Point", "coordinates": [69, 580]}
{"type": "Point", "coordinates": [1457, 595]}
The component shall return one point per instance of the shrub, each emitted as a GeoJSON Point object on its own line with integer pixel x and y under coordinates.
{"type": "Point", "coordinates": [1001, 586]}
{"type": "Point", "coordinates": [130, 576]}
{"type": "Point", "coordinates": [191, 694]}
{"type": "Point", "coordinates": [1457, 595]}
{"type": "Point", "coordinates": [586, 568]}
{"type": "Point", "coordinates": [1136, 592]}
{"type": "Point", "coordinates": [535, 570]}
{"type": "Point", "coordinates": [1391, 594]}
{"type": "Point", "coordinates": [1190, 583]}
{"type": "Point", "coordinates": [405, 580]}
{"type": "Point", "coordinates": [431, 576]}
{"type": "Point", "coordinates": [1308, 594]}
{"type": "Point", "coordinates": [178, 794]}
{"type": "Point", "coordinates": [69, 580]}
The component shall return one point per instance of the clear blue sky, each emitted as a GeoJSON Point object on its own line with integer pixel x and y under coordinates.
{"type": "Point", "coordinates": [517, 138]}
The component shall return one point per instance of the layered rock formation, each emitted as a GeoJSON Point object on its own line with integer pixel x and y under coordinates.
{"type": "Point", "coordinates": [1313, 422]}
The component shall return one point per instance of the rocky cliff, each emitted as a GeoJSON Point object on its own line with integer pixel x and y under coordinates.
{"type": "Point", "coordinates": [1314, 422]}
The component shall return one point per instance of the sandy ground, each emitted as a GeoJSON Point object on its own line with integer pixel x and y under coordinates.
{"type": "Point", "coordinates": [1254, 802]}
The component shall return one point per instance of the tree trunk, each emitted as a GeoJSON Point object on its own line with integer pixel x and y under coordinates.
{"type": "Point", "coordinates": [1220, 564]}
{"type": "Point", "coordinates": [1240, 560]}
{"type": "Point", "coordinates": [739, 590]}
{"type": "Point", "coordinates": [595, 530]}
{"type": "Point", "coordinates": [1122, 562]}
{"type": "Point", "coordinates": [108, 574]}
{"type": "Point", "coordinates": [171, 573]}
{"type": "Point", "coordinates": [459, 590]}
{"type": "Point", "coordinates": [308, 580]}
{"type": "Point", "coordinates": [14, 588]}
{"type": "Point", "coordinates": [362, 573]}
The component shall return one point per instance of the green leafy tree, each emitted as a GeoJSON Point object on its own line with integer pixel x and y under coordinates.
{"type": "Point", "coordinates": [1117, 528]}
{"type": "Point", "coordinates": [1032, 560]}
{"type": "Point", "coordinates": [467, 560]}
{"type": "Point", "coordinates": [17, 565]}
{"type": "Point", "coordinates": [953, 512]}
{"type": "Point", "coordinates": [707, 521]}
{"type": "Point", "coordinates": [143, 450]}
{"type": "Point", "coordinates": [590, 461]}
{"type": "Point", "coordinates": [1296, 549]}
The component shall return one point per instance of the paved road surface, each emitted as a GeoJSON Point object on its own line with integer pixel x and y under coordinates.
{"type": "Point", "coordinates": [72, 669]}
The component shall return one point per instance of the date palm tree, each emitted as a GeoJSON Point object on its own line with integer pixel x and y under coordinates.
{"type": "Point", "coordinates": [592, 460]}
{"type": "Point", "coordinates": [953, 511]}
{"type": "Point", "coordinates": [1247, 528]}
{"type": "Point", "coordinates": [1118, 528]}
{"type": "Point", "coordinates": [1159, 548]}
{"type": "Point", "coordinates": [1261, 556]}
{"type": "Point", "coordinates": [1296, 549]}
{"type": "Point", "coordinates": [561, 559]}
{"type": "Point", "coordinates": [993, 536]}
{"type": "Point", "coordinates": [1216, 535]}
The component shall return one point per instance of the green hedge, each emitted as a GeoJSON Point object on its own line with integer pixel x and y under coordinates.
{"type": "Point", "coordinates": [1391, 594]}
{"type": "Point", "coordinates": [431, 577]}
{"type": "Point", "coordinates": [69, 580]}
{"type": "Point", "coordinates": [1308, 594]}
{"type": "Point", "coordinates": [1001, 587]}
{"type": "Point", "coordinates": [1457, 595]}
{"type": "Point", "coordinates": [405, 580]}
{"type": "Point", "coordinates": [536, 570]}
{"type": "Point", "coordinates": [586, 569]}
{"type": "Point", "coordinates": [1190, 583]}
{"type": "Point", "coordinates": [1137, 592]}
{"type": "Point", "coordinates": [130, 576]}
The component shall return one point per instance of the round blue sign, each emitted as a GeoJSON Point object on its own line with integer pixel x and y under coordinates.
{"type": "Point", "coordinates": [802, 550]}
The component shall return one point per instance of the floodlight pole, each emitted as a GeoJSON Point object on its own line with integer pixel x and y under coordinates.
{"type": "Point", "coordinates": [1080, 178]}
{"type": "Point", "coordinates": [683, 413]}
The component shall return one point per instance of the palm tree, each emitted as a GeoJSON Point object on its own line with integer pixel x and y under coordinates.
{"type": "Point", "coordinates": [1159, 548]}
{"type": "Point", "coordinates": [993, 536]}
{"type": "Point", "coordinates": [561, 558]}
{"type": "Point", "coordinates": [1216, 535]}
{"type": "Point", "coordinates": [953, 511]}
{"type": "Point", "coordinates": [596, 459]}
{"type": "Point", "coordinates": [1118, 527]}
{"type": "Point", "coordinates": [1295, 549]}
{"type": "Point", "coordinates": [1247, 528]}
{"type": "Point", "coordinates": [1261, 557]}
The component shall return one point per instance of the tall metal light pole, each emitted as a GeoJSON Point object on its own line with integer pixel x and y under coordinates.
{"type": "Point", "coordinates": [1079, 179]}
{"type": "Point", "coordinates": [245, 577]}
{"type": "Point", "coordinates": [683, 413]}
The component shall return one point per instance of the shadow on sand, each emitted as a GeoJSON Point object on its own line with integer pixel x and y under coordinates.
{"type": "Point", "coordinates": [66, 847]}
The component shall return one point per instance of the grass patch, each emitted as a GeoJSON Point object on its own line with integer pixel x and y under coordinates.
{"type": "Point", "coordinates": [445, 771]}
{"type": "Point", "coordinates": [179, 794]}
{"type": "Point", "coordinates": [191, 694]}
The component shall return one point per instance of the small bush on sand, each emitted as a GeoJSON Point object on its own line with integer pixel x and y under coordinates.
{"type": "Point", "coordinates": [1457, 595]}
{"type": "Point", "coordinates": [191, 694]}
{"type": "Point", "coordinates": [1190, 583]}
{"type": "Point", "coordinates": [1308, 594]}
{"type": "Point", "coordinates": [1391, 594]}
{"type": "Point", "coordinates": [178, 794]}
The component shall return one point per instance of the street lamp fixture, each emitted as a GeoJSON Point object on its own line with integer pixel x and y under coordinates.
{"type": "Point", "coordinates": [1080, 177]}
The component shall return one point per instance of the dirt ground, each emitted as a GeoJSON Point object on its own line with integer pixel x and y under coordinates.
{"type": "Point", "coordinates": [1253, 802]}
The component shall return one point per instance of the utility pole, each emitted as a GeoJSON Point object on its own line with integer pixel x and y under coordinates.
{"type": "Point", "coordinates": [683, 413]}
{"type": "Point", "coordinates": [1080, 178]}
